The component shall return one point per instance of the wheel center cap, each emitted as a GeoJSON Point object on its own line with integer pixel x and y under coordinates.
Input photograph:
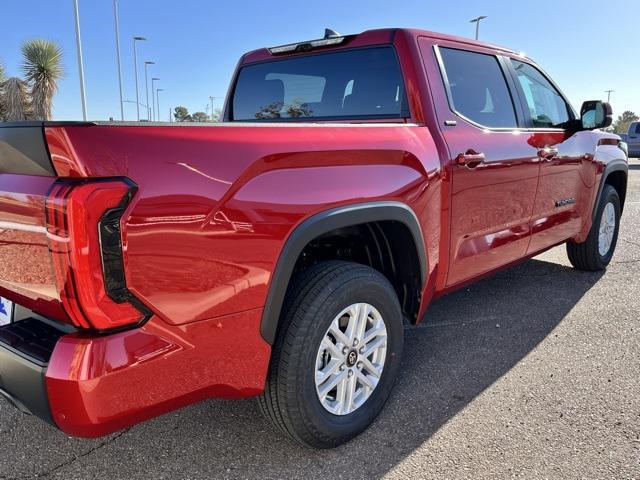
{"type": "Point", "coordinates": [352, 358]}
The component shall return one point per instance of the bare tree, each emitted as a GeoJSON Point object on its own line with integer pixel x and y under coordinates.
{"type": "Point", "coordinates": [15, 100]}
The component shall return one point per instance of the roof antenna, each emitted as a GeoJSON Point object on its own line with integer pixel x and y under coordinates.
{"type": "Point", "coordinates": [329, 33]}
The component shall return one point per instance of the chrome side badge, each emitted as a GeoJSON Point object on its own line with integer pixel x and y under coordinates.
{"type": "Point", "coordinates": [565, 201]}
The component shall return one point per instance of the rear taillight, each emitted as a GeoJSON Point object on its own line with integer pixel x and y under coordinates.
{"type": "Point", "coordinates": [83, 226]}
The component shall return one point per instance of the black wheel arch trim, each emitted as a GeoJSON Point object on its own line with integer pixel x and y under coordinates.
{"type": "Point", "coordinates": [319, 224]}
{"type": "Point", "coordinates": [613, 166]}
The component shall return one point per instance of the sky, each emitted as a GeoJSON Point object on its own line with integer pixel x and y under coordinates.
{"type": "Point", "coordinates": [586, 46]}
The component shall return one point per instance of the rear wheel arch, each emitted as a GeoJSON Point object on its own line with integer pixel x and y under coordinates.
{"type": "Point", "coordinates": [387, 227]}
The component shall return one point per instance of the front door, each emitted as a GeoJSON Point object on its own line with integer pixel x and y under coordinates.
{"type": "Point", "coordinates": [494, 170]}
{"type": "Point", "coordinates": [563, 198]}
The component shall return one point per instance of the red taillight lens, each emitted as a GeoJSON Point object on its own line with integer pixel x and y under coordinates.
{"type": "Point", "coordinates": [83, 226]}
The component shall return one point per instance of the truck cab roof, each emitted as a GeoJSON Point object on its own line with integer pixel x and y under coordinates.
{"type": "Point", "coordinates": [366, 38]}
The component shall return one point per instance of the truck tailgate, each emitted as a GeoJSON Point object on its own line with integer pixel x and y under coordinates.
{"type": "Point", "coordinates": [26, 176]}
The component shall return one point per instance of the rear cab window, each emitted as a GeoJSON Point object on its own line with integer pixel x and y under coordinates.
{"type": "Point", "coordinates": [348, 84]}
{"type": "Point", "coordinates": [477, 89]}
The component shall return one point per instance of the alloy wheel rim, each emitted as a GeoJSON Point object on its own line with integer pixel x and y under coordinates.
{"type": "Point", "coordinates": [350, 359]}
{"type": "Point", "coordinates": [607, 229]}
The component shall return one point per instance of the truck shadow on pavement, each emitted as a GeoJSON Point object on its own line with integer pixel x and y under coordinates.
{"type": "Point", "coordinates": [468, 340]}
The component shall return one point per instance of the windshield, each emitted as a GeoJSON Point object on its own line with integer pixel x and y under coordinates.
{"type": "Point", "coordinates": [350, 84]}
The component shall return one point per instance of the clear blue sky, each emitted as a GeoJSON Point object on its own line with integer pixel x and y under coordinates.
{"type": "Point", "coordinates": [587, 46]}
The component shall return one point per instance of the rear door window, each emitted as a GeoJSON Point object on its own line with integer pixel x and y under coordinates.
{"type": "Point", "coordinates": [350, 84]}
{"type": "Point", "coordinates": [477, 88]}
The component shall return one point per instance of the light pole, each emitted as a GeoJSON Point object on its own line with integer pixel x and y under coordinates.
{"type": "Point", "coordinates": [153, 98]}
{"type": "Point", "coordinates": [158, 100]}
{"type": "Point", "coordinates": [146, 86]}
{"type": "Point", "coordinates": [477, 22]}
{"type": "Point", "coordinates": [80, 64]}
{"type": "Point", "coordinates": [115, 15]}
{"type": "Point", "coordinates": [135, 69]}
{"type": "Point", "coordinates": [131, 101]}
{"type": "Point", "coordinates": [609, 92]}
{"type": "Point", "coordinates": [212, 106]}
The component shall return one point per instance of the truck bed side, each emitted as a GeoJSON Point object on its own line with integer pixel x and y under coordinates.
{"type": "Point", "coordinates": [215, 204]}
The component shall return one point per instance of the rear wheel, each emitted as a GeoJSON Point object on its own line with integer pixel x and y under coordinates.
{"type": "Point", "coordinates": [596, 251]}
{"type": "Point", "coordinates": [336, 354]}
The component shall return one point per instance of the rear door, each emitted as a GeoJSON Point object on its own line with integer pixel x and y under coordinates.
{"type": "Point", "coordinates": [563, 197]}
{"type": "Point", "coordinates": [494, 171]}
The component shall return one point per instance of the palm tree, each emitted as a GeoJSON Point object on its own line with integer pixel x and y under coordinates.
{"type": "Point", "coordinates": [16, 100]}
{"type": "Point", "coordinates": [42, 69]}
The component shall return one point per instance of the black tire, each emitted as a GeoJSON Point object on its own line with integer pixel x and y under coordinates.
{"type": "Point", "coordinates": [585, 255]}
{"type": "Point", "coordinates": [314, 299]}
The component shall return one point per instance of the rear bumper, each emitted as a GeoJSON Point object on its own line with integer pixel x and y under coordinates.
{"type": "Point", "coordinates": [95, 385]}
{"type": "Point", "coordinates": [22, 383]}
{"type": "Point", "coordinates": [25, 349]}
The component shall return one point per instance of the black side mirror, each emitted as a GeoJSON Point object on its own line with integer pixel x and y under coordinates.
{"type": "Point", "coordinates": [595, 114]}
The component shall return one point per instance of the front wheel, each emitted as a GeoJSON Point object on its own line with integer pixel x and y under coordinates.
{"type": "Point", "coordinates": [336, 355]}
{"type": "Point", "coordinates": [596, 251]}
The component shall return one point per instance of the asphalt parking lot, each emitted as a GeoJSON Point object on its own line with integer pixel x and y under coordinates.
{"type": "Point", "coordinates": [534, 373]}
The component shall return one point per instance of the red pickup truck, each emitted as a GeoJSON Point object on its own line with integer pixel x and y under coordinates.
{"type": "Point", "coordinates": [278, 254]}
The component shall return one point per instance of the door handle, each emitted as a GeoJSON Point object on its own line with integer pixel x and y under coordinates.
{"type": "Point", "coordinates": [470, 159]}
{"type": "Point", "coordinates": [548, 153]}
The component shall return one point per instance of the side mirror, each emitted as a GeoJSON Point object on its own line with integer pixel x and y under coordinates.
{"type": "Point", "coordinates": [595, 114]}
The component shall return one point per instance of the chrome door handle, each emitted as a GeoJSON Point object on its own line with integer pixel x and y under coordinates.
{"type": "Point", "coordinates": [548, 153]}
{"type": "Point", "coordinates": [470, 159]}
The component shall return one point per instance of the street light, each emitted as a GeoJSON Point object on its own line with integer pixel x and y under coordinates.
{"type": "Point", "coordinates": [135, 68]}
{"type": "Point", "coordinates": [477, 22]}
{"type": "Point", "coordinates": [212, 106]}
{"type": "Point", "coordinates": [158, 100]}
{"type": "Point", "coordinates": [609, 92]}
{"type": "Point", "coordinates": [132, 101]}
{"type": "Point", "coordinates": [146, 87]}
{"type": "Point", "coordinates": [153, 96]}
{"type": "Point", "coordinates": [83, 98]}
{"type": "Point", "coordinates": [115, 16]}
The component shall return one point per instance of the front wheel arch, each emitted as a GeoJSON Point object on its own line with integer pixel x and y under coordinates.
{"type": "Point", "coordinates": [615, 174]}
